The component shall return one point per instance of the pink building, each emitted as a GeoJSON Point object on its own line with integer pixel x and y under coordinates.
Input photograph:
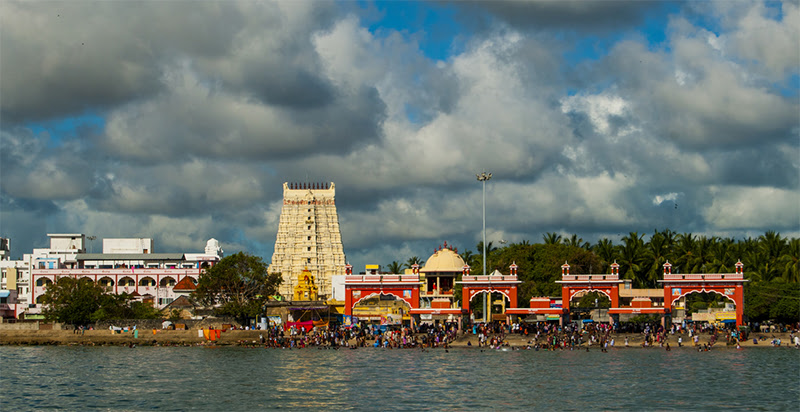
{"type": "Point", "coordinates": [159, 278]}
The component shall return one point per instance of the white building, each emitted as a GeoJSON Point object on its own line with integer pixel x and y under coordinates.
{"type": "Point", "coordinates": [15, 294]}
{"type": "Point", "coordinates": [125, 266]}
{"type": "Point", "coordinates": [13, 282]}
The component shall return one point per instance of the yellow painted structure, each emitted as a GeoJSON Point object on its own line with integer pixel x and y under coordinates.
{"type": "Point", "coordinates": [305, 289]}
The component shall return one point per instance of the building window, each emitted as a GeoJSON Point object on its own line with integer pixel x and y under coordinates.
{"type": "Point", "coordinates": [309, 238]}
{"type": "Point", "coordinates": [308, 248]}
{"type": "Point", "coordinates": [308, 260]}
{"type": "Point", "coordinates": [309, 228]}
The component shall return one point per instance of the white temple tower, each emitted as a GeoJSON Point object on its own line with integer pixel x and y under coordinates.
{"type": "Point", "coordinates": [308, 237]}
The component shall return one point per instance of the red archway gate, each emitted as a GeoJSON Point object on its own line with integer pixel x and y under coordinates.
{"type": "Point", "coordinates": [607, 284]}
{"type": "Point", "coordinates": [359, 287]}
{"type": "Point", "coordinates": [475, 285]}
{"type": "Point", "coordinates": [729, 285]}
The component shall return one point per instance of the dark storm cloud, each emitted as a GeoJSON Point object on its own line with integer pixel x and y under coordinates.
{"type": "Point", "coordinates": [11, 204]}
{"type": "Point", "coordinates": [769, 166]}
{"type": "Point", "coordinates": [189, 120]}
{"type": "Point", "coordinates": [63, 58]}
{"type": "Point", "coordinates": [285, 86]}
{"type": "Point", "coordinates": [31, 170]}
{"type": "Point", "coordinates": [578, 15]}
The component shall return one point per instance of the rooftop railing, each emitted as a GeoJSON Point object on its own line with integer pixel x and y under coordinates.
{"type": "Point", "coordinates": [590, 278]}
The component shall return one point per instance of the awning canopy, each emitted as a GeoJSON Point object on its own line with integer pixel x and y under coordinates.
{"type": "Point", "coordinates": [4, 293]}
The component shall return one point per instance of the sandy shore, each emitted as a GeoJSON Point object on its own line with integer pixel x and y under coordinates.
{"type": "Point", "coordinates": [241, 337]}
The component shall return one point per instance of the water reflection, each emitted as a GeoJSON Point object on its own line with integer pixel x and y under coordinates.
{"type": "Point", "coordinates": [464, 379]}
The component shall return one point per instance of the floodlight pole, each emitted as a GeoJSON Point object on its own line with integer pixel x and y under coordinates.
{"type": "Point", "coordinates": [483, 177]}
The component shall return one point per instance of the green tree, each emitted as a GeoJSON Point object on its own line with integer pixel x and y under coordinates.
{"type": "Point", "coordinates": [395, 267]}
{"type": "Point", "coordinates": [237, 286]}
{"type": "Point", "coordinates": [490, 249]}
{"type": "Point", "coordinates": [414, 260]}
{"type": "Point", "coordinates": [577, 242]}
{"type": "Point", "coordinates": [606, 251]}
{"type": "Point", "coordinates": [683, 253]}
{"type": "Point", "coordinates": [72, 301]}
{"type": "Point", "coordinates": [772, 300]}
{"type": "Point", "coordinates": [789, 262]}
{"type": "Point", "coordinates": [658, 249]}
{"type": "Point", "coordinates": [632, 258]}
{"type": "Point", "coordinates": [592, 300]}
{"type": "Point", "coordinates": [471, 259]}
{"type": "Point", "coordinates": [551, 238]}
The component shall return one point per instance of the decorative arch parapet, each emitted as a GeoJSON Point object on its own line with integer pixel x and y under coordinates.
{"type": "Point", "coordinates": [358, 288]}
{"type": "Point", "coordinates": [388, 293]}
{"type": "Point", "coordinates": [702, 290]}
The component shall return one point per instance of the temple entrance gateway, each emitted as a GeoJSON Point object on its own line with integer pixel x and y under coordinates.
{"type": "Point", "coordinates": [501, 288]}
{"type": "Point", "coordinates": [401, 288]}
{"type": "Point", "coordinates": [383, 309]}
{"type": "Point", "coordinates": [728, 285]}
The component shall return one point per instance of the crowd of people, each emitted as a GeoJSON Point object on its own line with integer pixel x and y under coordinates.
{"type": "Point", "coordinates": [356, 337]}
{"type": "Point", "coordinates": [536, 335]}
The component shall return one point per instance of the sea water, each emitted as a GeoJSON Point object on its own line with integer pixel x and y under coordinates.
{"type": "Point", "coordinates": [235, 378]}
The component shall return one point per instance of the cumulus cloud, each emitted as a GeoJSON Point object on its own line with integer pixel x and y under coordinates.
{"type": "Point", "coordinates": [207, 109]}
{"type": "Point", "coordinates": [733, 207]}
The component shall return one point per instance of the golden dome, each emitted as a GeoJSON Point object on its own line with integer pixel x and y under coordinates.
{"type": "Point", "coordinates": [444, 260]}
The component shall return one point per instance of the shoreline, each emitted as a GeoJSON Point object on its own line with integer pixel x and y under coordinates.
{"type": "Point", "coordinates": [251, 338]}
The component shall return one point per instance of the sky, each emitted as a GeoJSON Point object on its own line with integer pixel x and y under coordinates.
{"type": "Point", "coordinates": [180, 121]}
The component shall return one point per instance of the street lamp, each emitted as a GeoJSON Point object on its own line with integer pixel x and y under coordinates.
{"type": "Point", "coordinates": [483, 177]}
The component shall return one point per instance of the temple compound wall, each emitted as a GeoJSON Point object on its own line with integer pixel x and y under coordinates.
{"type": "Point", "coordinates": [308, 237]}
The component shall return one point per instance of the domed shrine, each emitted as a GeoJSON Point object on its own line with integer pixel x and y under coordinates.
{"type": "Point", "coordinates": [438, 279]}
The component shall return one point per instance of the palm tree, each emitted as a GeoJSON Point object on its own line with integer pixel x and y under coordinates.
{"type": "Point", "coordinates": [684, 252]}
{"type": "Point", "coordinates": [789, 262]}
{"type": "Point", "coordinates": [606, 251]}
{"type": "Point", "coordinates": [722, 257]}
{"type": "Point", "coordinates": [632, 256]}
{"type": "Point", "coordinates": [657, 251]}
{"type": "Point", "coordinates": [551, 238]}
{"type": "Point", "coordinates": [771, 244]}
{"type": "Point", "coordinates": [576, 241]}
{"type": "Point", "coordinates": [470, 258]}
{"type": "Point", "coordinates": [702, 255]}
{"type": "Point", "coordinates": [395, 267]}
{"type": "Point", "coordinates": [771, 247]}
{"type": "Point", "coordinates": [414, 260]}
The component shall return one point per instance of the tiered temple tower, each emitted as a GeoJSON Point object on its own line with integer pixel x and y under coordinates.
{"type": "Point", "coordinates": [308, 237]}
